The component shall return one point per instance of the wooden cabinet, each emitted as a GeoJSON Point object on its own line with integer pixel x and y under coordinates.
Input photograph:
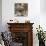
{"type": "Point", "coordinates": [22, 33]}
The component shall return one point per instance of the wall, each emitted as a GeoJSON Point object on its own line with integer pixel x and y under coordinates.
{"type": "Point", "coordinates": [43, 6]}
{"type": "Point", "coordinates": [35, 14]}
{"type": "Point", "coordinates": [0, 15]}
{"type": "Point", "coordinates": [43, 14]}
{"type": "Point", "coordinates": [8, 11]}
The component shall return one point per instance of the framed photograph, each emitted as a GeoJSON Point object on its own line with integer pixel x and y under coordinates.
{"type": "Point", "coordinates": [21, 9]}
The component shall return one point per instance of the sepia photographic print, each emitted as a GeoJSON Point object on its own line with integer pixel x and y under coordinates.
{"type": "Point", "coordinates": [21, 9]}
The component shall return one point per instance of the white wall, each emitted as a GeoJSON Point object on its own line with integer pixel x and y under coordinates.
{"type": "Point", "coordinates": [43, 14]}
{"type": "Point", "coordinates": [43, 6]}
{"type": "Point", "coordinates": [8, 11]}
{"type": "Point", "coordinates": [35, 14]}
{"type": "Point", "coordinates": [0, 15]}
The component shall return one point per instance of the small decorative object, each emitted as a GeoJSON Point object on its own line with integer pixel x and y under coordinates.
{"type": "Point", "coordinates": [13, 21]}
{"type": "Point", "coordinates": [16, 21]}
{"type": "Point", "coordinates": [21, 9]}
{"type": "Point", "coordinates": [10, 21]}
{"type": "Point", "coordinates": [27, 21]}
{"type": "Point", "coordinates": [41, 36]}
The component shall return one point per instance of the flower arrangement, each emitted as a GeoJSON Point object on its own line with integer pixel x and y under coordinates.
{"type": "Point", "coordinates": [40, 33]}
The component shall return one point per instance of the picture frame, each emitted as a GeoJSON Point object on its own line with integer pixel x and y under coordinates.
{"type": "Point", "coordinates": [21, 9]}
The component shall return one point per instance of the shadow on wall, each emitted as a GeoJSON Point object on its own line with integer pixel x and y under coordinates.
{"type": "Point", "coordinates": [0, 15]}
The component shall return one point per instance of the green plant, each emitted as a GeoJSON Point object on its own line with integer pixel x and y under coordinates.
{"type": "Point", "coordinates": [40, 34]}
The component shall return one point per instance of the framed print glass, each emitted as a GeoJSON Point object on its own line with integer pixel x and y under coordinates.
{"type": "Point", "coordinates": [21, 9]}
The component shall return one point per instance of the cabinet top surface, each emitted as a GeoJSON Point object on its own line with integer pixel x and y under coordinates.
{"type": "Point", "coordinates": [19, 23]}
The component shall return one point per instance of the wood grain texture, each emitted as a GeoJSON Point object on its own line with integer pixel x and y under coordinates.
{"type": "Point", "coordinates": [23, 27]}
